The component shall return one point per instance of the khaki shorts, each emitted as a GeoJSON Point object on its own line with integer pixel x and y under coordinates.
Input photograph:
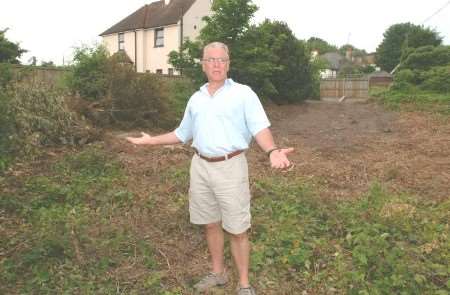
{"type": "Point", "coordinates": [219, 191]}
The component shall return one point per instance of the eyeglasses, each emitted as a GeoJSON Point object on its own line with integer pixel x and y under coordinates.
{"type": "Point", "coordinates": [211, 60]}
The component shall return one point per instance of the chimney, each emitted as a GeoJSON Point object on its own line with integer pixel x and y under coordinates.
{"type": "Point", "coordinates": [348, 54]}
{"type": "Point", "coordinates": [166, 2]}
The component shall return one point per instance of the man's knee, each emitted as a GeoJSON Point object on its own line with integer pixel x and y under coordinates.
{"type": "Point", "coordinates": [213, 226]}
{"type": "Point", "coordinates": [239, 237]}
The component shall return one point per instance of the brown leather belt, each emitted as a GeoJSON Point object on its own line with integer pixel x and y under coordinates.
{"type": "Point", "coordinates": [218, 159]}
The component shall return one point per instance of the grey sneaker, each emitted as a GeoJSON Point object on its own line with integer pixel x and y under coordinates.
{"type": "Point", "coordinates": [212, 280]}
{"type": "Point", "coordinates": [246, 291]}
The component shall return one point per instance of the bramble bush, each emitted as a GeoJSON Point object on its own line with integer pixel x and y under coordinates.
{"type": "Point", "coordinates": [379, 244]}
{"type": "Point", "coordinates": [426, 67]}
{"type": "Point", "coordinates": [35, 115]}
{"type": "Point", "coordinates": [115, 93]}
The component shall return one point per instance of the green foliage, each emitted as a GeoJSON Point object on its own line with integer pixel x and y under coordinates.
{"type": "Point", "coordinates": [355, 51]}
{"type": "Point", "coordinates": [437, 79]}
{"type": "Point", "coordinates": [7, 129]}
{"type": "Point", "coordinates": [43, 118]}
{"type": "Point", "coordinates": [293, 75]}
{"type": "Point", "coordinates": [187, 61]}
{"type": "Point", "coordinates": [320, 45]}
{"type": "Point", "coordinates": [9, 52]}
{"type": "Point", "coordinates": [120, 96]}
{"type": "Point", "coordinates": [425, 68]}
{"type": "Point", "coordinates": [407, 96]}
{"type": "Point", "coordinates": [135, 99]}
{"type": "Point", "coordinates": [68, 239]}
{"type": "Point", "coordinates": [380, 244]}
{"type": "Point", "coordinates": [400, 37]}
{"type": "Point", "coordinates": [88, 74]}
{"type": "Point", "coordinates": [426, 57]}
{"type": "Point", "coordinates": [34, 116]}
{"type": "Point", "coordinates": [228, 23]}
{"type": "Point", "coordinates": [180, 90]}
{"type": "Point", "coordinates": [6, 74]}
{"type": "Point", "coordinates": [267, 57]}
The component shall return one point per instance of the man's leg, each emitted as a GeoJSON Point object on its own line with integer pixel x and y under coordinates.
{"type": "Point", "coordinates": [215, 239]}
{"type": "Point", "coordinates": [240, 248]}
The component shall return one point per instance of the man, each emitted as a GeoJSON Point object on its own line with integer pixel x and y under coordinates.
{"type": "Point", "coordinates": [221, 119]}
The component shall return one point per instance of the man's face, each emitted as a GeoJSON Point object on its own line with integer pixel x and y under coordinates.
{"type": "Point", "coordinates": [215, 64]}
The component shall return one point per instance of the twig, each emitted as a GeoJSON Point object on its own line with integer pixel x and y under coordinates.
{"type": "Point", "coordinates": [76, 246]}
{"type": "Point", "coordinates": [167, 259]}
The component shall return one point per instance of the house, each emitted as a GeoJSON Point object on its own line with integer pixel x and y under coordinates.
{"type": "Point", "coordinates": [149, 34]}
{"type": "Point", "coordinates": [335, 62]}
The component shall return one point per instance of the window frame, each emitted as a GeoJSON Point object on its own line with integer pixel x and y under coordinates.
{"type": "Point", "coordinates": [121, 41]}
{"type": "Point", "coordinates": [159, 38]}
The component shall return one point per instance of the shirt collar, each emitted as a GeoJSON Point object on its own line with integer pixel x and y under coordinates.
{"type": "Point", "coordinates": [228, 82]}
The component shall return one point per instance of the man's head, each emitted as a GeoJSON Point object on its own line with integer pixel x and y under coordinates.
{"type": "Point", "coordinates": [216, 61]}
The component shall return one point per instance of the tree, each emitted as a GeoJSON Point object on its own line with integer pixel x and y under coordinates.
{"type": "Point", "coordinates": [399, 37]}
{"type": "Point", "coordinates": [267, 57]}
{"type": "Point", "coordinates": [355, 51]}
{"type": "Point", "coordinates": [88, 74]}
{"type": "Point", "coordinates": [228, 23]}
{"type": "Point", "coordinates": [320, 45]}
{"type": "Point", "coordinates": [275, 62]}
{"type": "Point", "coordinates": [9, 52]}
{"type": "Point", "coordinates": [425, 57]}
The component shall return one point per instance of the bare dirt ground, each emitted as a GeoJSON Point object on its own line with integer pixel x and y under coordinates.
{"type": "Point", "coordinates": [341, 147]}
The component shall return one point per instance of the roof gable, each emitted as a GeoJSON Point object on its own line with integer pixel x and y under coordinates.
{"type": "Point", "coordinates": [334, 59]}
{"type": "Point", "coordinates": [153, 15]}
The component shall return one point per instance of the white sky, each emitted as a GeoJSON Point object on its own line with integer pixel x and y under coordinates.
{"type": "Point", "coordinates": [50, 29]}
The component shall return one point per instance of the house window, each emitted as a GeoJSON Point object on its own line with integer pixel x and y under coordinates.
{"type": "Point", "coordinates": [170, 71]}
{"type": "Point", "coordinates": [121, 41]}
{"type": "Point", "coordinates": [159, 71]}
{"type": "Point", "coordinates": [159, 37]}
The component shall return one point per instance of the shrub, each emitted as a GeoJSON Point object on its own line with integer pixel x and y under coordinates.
{"type": "Point", "coordinates": [437, 79]}
{"type": "Point", "coordinates": [180, 90]}
{"type": "Point", "coordinates": [426, 57]}
{"type": "Point", "coordinates": [114, 93]}
{"type": "Point", "coordinates": [6, 128]}
{"type": "Point", "coordinates": [88, 73]}
{"type": "Point", "coordinates": [37, 116]}
{"type": "Point", "coordinates": [6, 74]}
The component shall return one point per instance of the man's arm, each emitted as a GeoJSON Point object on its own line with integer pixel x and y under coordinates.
{"type": "Point", "coordinates": [167, 138]}
{"type": "Point", "coordinates": [278, 156]}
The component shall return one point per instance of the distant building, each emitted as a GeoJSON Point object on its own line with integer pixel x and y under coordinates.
{"type": "Point", "coordinates": [150, 33]}
{"type": "Point", "coordinates": [335, 61]}
{"type": "Point", "coordinates": [380, 78]}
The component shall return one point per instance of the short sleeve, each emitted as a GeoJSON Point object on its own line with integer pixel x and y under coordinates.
{"type": "Point", "coordinates": [255, 116]}
{"type": "Point", "coordinates": [184, 130]}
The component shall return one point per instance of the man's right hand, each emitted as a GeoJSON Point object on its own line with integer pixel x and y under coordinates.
{"type": "Point", "coordinates": [144, 139]}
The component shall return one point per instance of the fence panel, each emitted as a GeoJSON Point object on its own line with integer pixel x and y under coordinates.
{"type": "Point", "coordinates": [350, 88]}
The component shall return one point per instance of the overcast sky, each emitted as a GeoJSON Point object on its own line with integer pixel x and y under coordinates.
{"type": "Point", "coordinates": [50, 30]}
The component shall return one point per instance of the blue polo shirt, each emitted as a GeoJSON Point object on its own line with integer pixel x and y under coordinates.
{"type": "Point", "coordinates": [224, 122]}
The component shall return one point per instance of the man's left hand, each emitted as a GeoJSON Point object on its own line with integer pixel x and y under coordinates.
{"type": "Point", "coordinates": [278, 158]}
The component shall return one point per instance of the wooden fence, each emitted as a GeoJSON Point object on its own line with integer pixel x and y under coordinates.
{"type": "Point", "coordinates": [36, 74]}
{"type": "Point", "coordinates": [350, 88]}
{"type": "Point", "coordinates": [51, 75]}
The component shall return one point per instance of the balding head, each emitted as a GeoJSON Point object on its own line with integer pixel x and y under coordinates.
{"type": "Point", "coordinates": [216, 45]}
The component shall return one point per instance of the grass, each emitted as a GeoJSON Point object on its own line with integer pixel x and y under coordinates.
{"type": "Point", "coordinates": [66, 231]}
{"type": "Point", "coordinates": [413, 99]}
{"type": "Point", "coordinates": [379, 244]}
{"type": "Point", "coordinates": [72, 227]}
